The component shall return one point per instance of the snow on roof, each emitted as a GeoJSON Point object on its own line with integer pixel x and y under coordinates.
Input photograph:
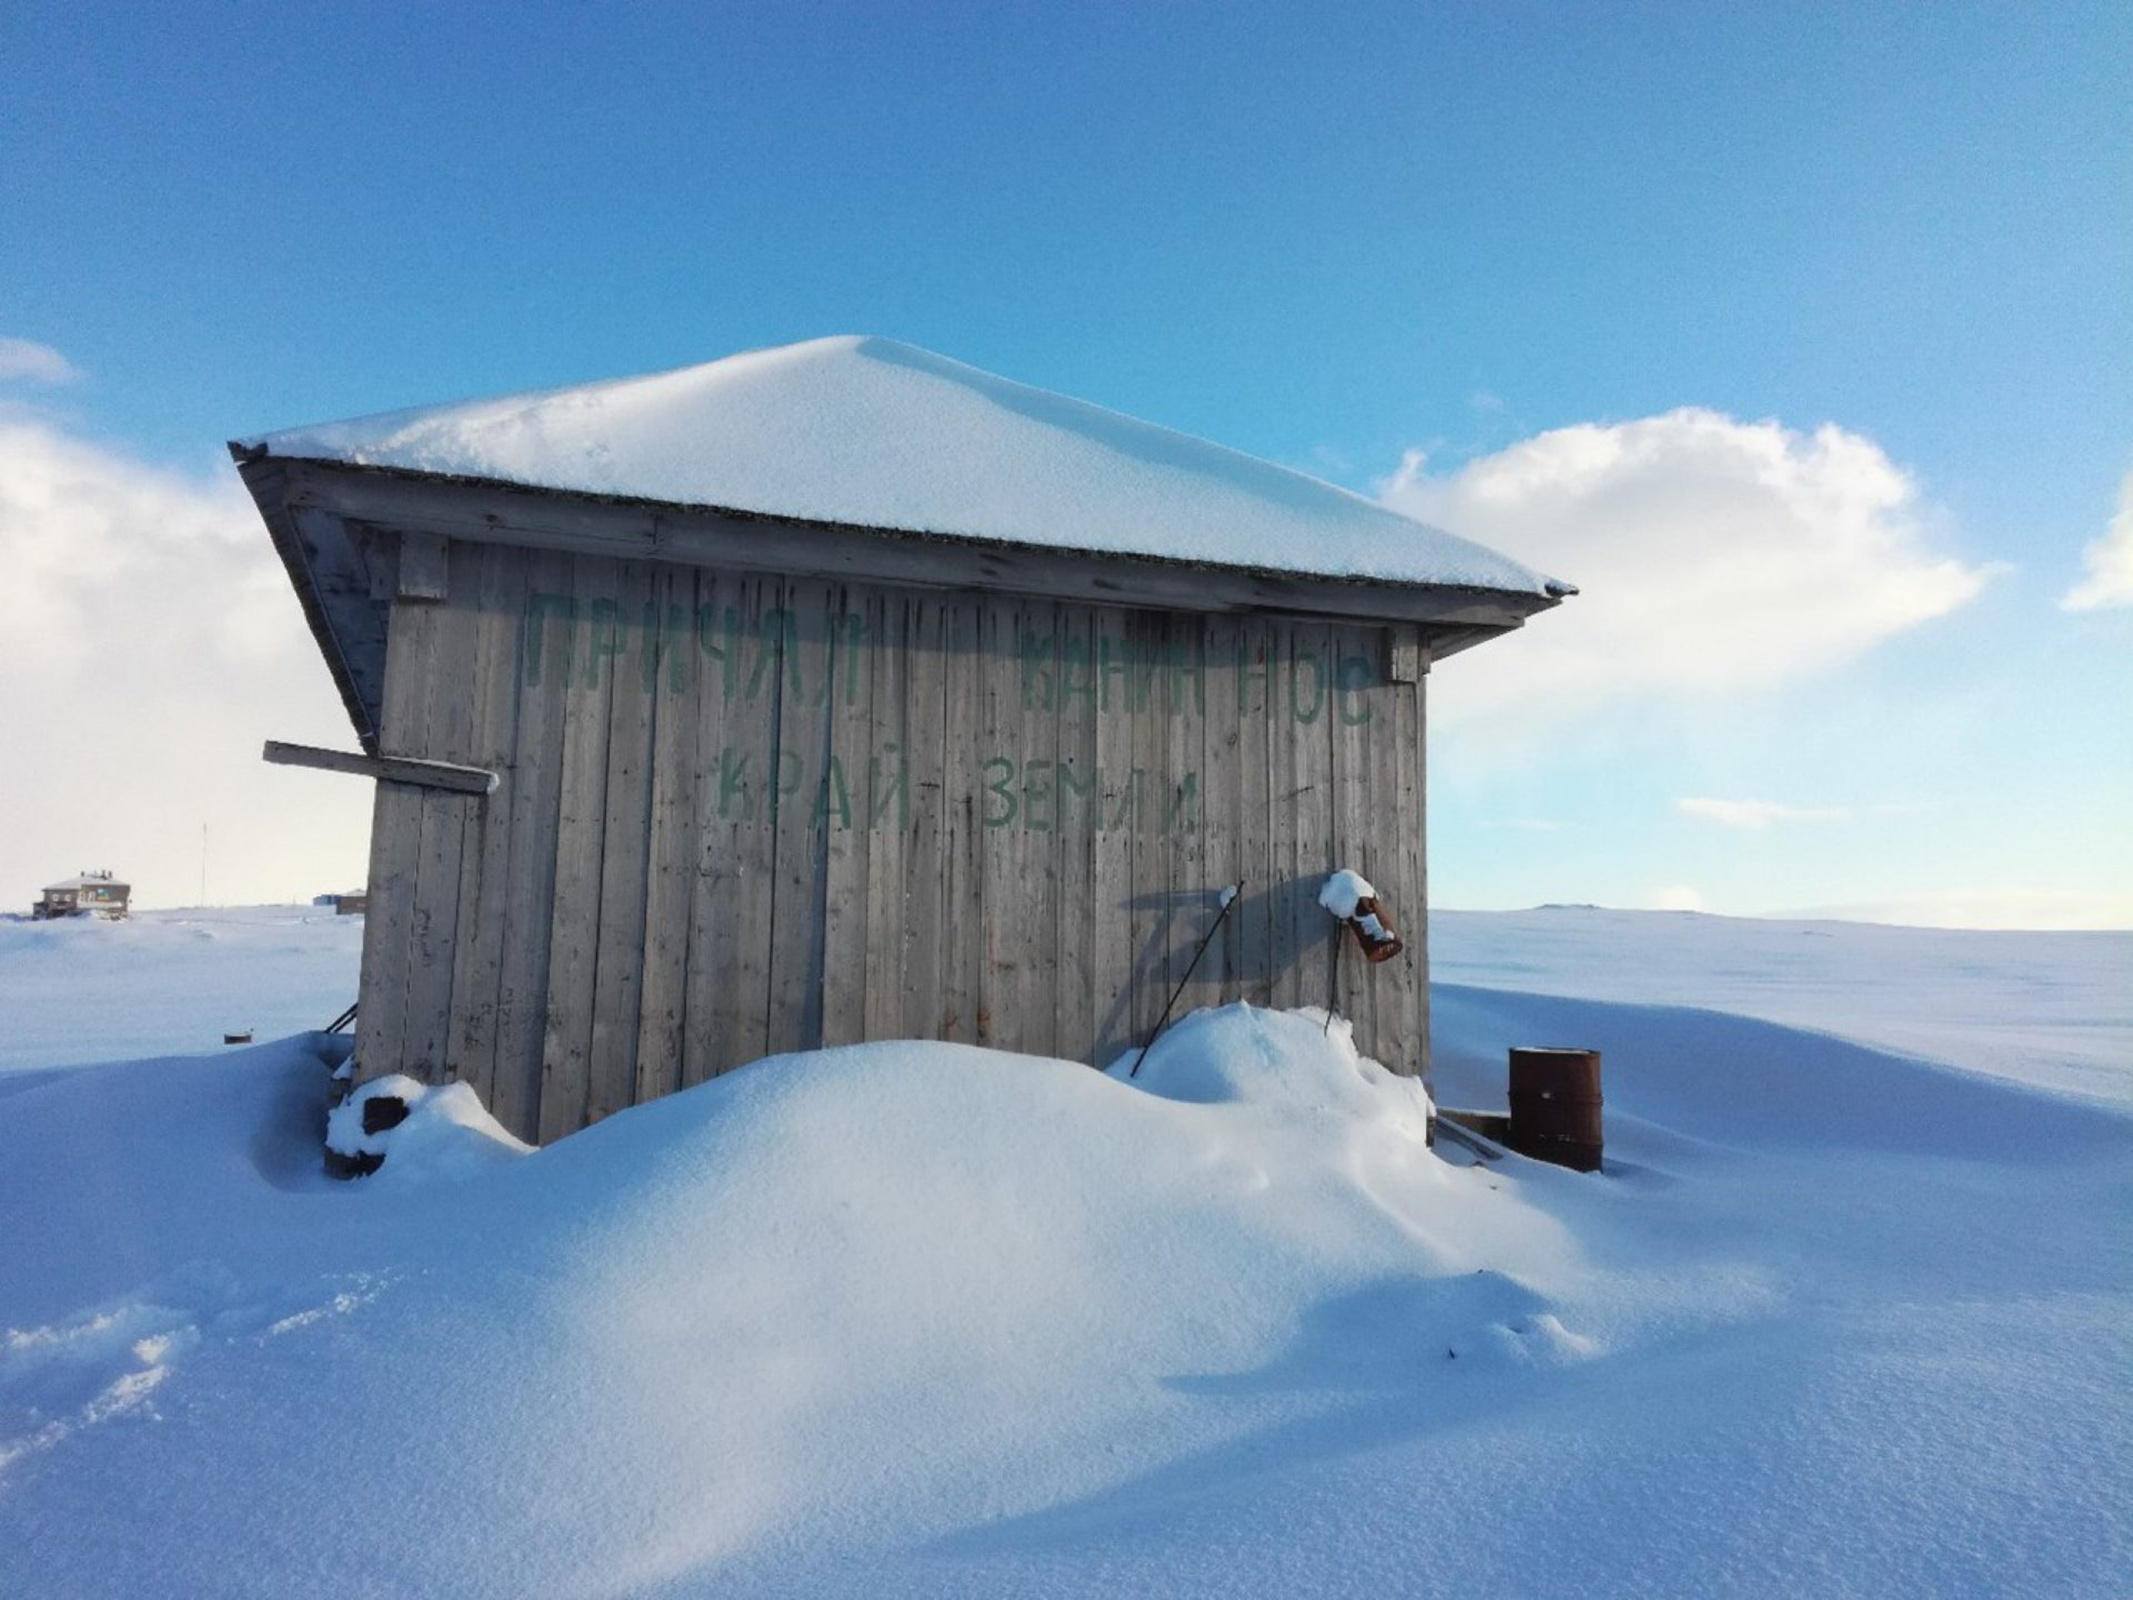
{"type": "Point", "coordinates": [870, 432]}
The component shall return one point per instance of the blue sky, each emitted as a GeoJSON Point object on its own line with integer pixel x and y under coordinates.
{"type": "Point", "coordinates": [1330, 236]}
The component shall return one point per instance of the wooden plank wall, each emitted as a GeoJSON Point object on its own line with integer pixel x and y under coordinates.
{"type": "Point", "coordinates": [743, 814]}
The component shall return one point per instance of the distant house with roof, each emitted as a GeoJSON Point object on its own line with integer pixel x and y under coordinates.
{"type": "Point", "coordinates": [844, 692]}
{"type": "Point", "coordinates": [89, 894]}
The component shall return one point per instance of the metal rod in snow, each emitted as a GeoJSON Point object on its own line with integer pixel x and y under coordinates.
{"type": "Point", "coordinates": [1229, 898]}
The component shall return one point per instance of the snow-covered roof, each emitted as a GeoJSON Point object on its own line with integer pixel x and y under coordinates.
{"type": "Point", "coordinates": [87, 880]}
{"type": "Point", "coordinates": [873, 433]}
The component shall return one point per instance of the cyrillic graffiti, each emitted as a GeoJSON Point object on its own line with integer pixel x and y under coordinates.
{"type": "Point", "coordinates": [1034, 796]}
{"type": "Point", "coordinates": [577, 644]}
{"type": "Point", "coordinates": [581, 645]}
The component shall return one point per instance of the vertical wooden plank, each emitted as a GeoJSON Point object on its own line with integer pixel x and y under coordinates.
{"type": "Point", "coordinates": [799, 801]}
{"type": "Point", "coordinates": [672, 671]}
{"type": "Point", "coordinates": [1251, 701]}
{"type": "Point", "coordinates": [853, 620]}
{"type": "Point", "coordinates": [962, 924]}
{"type": "Point", "coordinates": [1031, 917]}
{"type": "Point", "coordinates": [1150, 888]}
{"type": "Point", "coordinates": [447, 735]}
{"type": "Point", "coordinates": [395, 846]}
{"type": "Point", "coordinates": [547, 661]}
{"type": "Point", "coordinates": [573, 952]}
{"type": "Point", "coordinates": [1395, 751]}
{"type": "Point", "coordinates": [1004, 938]}
{"type": "Point", "coordinates": [879, 768]}
{"type": "Point", "coordinates": [1219, 746]}
{"type": "Point", "coordinates": [1202, 781]}
{"type": "Point", "coordinates": [1305, 692]}
{"type": "Point", "coordinates": [1414, 770]}
{"type": "Point", "coordinates": [1354, 699]}
{"type": "Point", "coordinates": [1116, 937]}
{"type": "Point", "coordinates": [625, 849]}
{"type": "Point", "coordinates": [717, 816]}
{"type": "Point", "coordinates": [739, 989]}
{"type": "Point", "coordinates": [484, 884]}
{"type": "Point", "coordinates": [926, 852]}
{"type": "Point", "coordinates": [1077, 797]}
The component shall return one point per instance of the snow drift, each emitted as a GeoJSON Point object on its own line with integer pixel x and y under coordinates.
{"type": "Point", "coordinates": [928, 1320]}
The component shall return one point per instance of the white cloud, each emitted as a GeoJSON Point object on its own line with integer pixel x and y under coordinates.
{"type": "Point", "coordinates": [2109, 560]}
{"type": "Point", "coordinates": [1757, 814]}
{"type": "Point", "coordinates": [26, 361]}
{"type": "Point", "coordinates": [1676, 897]}
{"type": "Point", "coordinates": [151, 644]}
{"type": "Point", "coordinates": [1713, 556]}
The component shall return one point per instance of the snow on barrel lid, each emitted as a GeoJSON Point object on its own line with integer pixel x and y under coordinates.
{"type": "Point", "coordinates": [873, 433]}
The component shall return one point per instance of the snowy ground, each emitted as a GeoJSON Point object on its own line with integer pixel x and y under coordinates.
{"type": "Point", "coordinates": [921, 1320]}
{"type": "Point", "coordinates": [169, 982]}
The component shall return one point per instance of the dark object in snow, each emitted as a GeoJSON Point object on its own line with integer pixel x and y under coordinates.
{"type": "Point", "coordinates": [378, 1112]}
{"type": "Point", "coordinates": [238, 1038]}
{"type": "Point", "coordinates": [343, 1020]}
{"type": "Point", "coordinates": [383, 1111]}
{"type": "Point", "coordinates": [1555, 1106]}
{"type": "Point", "coordinates": [360, 1165]}
{"type": "Point", "coordinates": [1229, 898]}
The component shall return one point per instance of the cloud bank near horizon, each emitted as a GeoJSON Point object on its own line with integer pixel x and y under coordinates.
{"type": "Point", "coordinates": [1712, 556]}
{"type": "Point", "coordinates": [152, 644]}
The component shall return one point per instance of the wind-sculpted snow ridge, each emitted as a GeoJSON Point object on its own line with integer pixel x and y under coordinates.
{"type": "Point", "coordinates": [926, 1320]}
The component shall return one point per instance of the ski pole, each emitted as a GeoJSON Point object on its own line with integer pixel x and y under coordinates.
{"type": "Point", "coordinates": [1229, 898]}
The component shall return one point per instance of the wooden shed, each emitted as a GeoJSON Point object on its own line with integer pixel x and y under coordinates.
{"type": "Point", "coordinates": [843, 692]}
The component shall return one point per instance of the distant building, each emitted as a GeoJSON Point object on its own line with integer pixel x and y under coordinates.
{"type": "Point", "coordinates": [842, 692]}
{"type": "Point", "coordinates": [91, 894]}
{"type": "Point", "coordinates": [351, 904]}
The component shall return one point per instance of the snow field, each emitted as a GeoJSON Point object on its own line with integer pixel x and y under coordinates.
{"type": "Point", "coordinates": [926, 1320]}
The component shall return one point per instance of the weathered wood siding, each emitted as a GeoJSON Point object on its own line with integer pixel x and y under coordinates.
{"type": "Point", "coordinates": [742, 814]}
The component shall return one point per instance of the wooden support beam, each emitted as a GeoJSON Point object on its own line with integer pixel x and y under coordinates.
{"type": "Point", "coordinates": [387, 769]}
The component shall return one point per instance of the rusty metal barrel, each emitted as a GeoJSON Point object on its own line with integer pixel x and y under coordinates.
{"type": "Point", "coordinates": [1555, 1106]}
